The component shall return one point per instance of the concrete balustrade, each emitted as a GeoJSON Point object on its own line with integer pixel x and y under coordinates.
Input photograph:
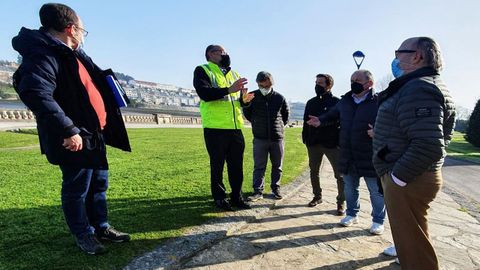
{"type": "Point", "coordinates": [154, 119]}
{"type": "Point", "coordinates": [159, 119]}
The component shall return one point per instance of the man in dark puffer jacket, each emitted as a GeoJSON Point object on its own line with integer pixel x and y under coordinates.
{"type": "Point", "coordinates": [357, 110]}
{"type": "Point", "coordinates": [414, 125]}
{"type": "Point", "coordinates": [268, 112]}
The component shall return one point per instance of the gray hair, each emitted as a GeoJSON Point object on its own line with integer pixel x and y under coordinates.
{"type": "Point", "coordinates": [368, 75]}
{"type": "Point", "coordinates": [431, 52]}
{"type": "Point", "coordinates": [263, 76]}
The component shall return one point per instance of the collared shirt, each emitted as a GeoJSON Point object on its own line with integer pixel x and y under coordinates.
{"type": "Point", "coordinates": [359, 100]}
{"type": "Point", "coordinates": [57, 39]}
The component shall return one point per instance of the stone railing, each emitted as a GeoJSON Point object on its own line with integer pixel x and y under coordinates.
{"type": "Point", "coordinates": [154, 119]}
{"type": "Point", "coordinates": [159, 119]}
{"type": "Point", "coordinates": [17, 115]}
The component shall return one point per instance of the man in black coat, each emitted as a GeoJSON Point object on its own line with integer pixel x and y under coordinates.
{"type": "Point", "coordinates": [76, 117]}
{"type": "Point", "coordinates": [268, 112]}
{"type": "Point", "coordinates": [357, 110]}
{"type": "Point", "coordinates": [414, 125]}
{"type": "Point", "coordinates": [323, 140]}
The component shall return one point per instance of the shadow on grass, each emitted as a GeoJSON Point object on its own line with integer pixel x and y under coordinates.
{"type": "Point", "coordinates": [39, 238]}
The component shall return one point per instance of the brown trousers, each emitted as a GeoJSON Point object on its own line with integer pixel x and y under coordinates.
{"type": "Point", "coordinates": [407, 211]}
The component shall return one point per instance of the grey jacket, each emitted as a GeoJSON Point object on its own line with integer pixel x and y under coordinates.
{"type": "Point", "coordinates": [414, 124]}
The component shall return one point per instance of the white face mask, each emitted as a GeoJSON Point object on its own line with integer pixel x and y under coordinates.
{"type": "Point", "coordinates": [265, 91]}
{"type": "Point", "coordinates": [81, 43]}
{"type": "Point", "coordinates": [80, 40]}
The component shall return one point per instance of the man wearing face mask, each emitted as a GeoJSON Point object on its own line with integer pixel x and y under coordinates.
{"type": "Point", "coordinates": [76, 116]}
{"type": "Point", "coordinates": [414, 125]}
{"type": "Point", "coordinates": [268, 112]}
{"type": "Point", "coordinates": [357, 110]}
{"type": "Point", "coordinates": [323, 140]}
{"type": "Point", "coordinates": [221, 89]}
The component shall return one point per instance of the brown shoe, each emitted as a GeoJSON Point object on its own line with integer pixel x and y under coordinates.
{"type": "Point", "coordinates": [315, 201]}
{"type": "Point", "coordinates": [341, 209]}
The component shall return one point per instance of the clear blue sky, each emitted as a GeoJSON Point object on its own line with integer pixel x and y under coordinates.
{"type": "Point", "coordinates": [163, 41]}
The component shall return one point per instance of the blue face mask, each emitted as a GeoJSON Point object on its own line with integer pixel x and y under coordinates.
{"type": "Point", "coordinates": [396, 70]}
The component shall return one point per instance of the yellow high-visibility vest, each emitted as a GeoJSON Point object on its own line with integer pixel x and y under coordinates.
{"type": "Point", "coordinates": [223, 113]}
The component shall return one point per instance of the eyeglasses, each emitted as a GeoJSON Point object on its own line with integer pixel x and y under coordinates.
{"type": "Point", "coordinates": [84, 32]}
{"type": "Point", "coordinates": [405, 51]}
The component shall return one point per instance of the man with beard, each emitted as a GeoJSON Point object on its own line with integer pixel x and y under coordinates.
{"type": "Point", "coordinates": [323, 140]}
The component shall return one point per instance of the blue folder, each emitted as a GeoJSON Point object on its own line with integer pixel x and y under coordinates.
{"type": "Point", "coordinates": [118, 92]}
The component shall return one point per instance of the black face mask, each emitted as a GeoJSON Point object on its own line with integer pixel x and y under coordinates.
{"type": "Point", "coordinates": [225, 62]}
{"type": "Point", "coordinates": [319, 90]}
{"type": "Point", "coordinates": [357, 88]}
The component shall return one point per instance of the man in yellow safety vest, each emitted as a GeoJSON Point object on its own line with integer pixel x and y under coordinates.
{"type": "Point", "coordinates": [221, 91]}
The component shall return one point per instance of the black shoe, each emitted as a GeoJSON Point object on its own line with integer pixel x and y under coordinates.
{"type": "Point", "coordinates": [255, 197]}
{"type": "Point", "coordinates": [241, 204]}
{"type": "Point", "coordinates": [112, 235]}
{"type": "Point", "coordinates": [340, 209]}
{"type": "Point", "coordinates": [277, 194]}
{"type": "Point", "coordinates": [223, 204]}
{"type": "Point", "coordinates": [315, 201]}
{"type": "Point", "coordinates": [90, 244]}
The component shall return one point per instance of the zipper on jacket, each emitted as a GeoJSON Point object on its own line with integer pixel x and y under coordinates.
{"type": "Point", "coordinates": [268, 120]}
{"type": "Point", "coordinates": [233, 109]}
{"type": "Point", "coordinates": [84, 93]}
{"type": "Point", "coordinates": [231, 101]}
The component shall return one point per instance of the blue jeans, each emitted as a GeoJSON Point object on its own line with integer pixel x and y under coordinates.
{"type": "Point", "coordinates": [352, 183]}
{"type": "Point", "coordinates": [84, 200]}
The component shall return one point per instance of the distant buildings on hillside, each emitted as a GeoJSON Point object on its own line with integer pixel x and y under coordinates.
{"type": "Point", "coordinates": [150, 93]}
{"type": "Point", "coordinates": [6, 71]}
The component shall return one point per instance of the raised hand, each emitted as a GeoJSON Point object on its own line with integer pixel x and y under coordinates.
{"type": "Point", "coordinates": [247, 97]}
{"type": "Point", "coordinates": [238, 85]}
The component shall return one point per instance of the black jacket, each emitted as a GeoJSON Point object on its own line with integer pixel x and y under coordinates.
{"type": "Point", "coordinates": [204, 87]}
{"type": "Point", "coordinates": [355, 144]}
{"type": "Point", "coordinates": [268, 115]}
{"type": "Point", "coordinates": [48, 82]}
{"type": "Point", "coordinates": [414, 125]}
{"type": "Point", "coordinates": [327, 134]}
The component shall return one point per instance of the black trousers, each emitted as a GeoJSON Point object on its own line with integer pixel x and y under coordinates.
{"type": "Point", "coordinates": [225, 145]}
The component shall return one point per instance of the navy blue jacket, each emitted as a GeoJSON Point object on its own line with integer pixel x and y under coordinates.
{"type": "Point", "coordinates": [48, 82]}
{"type": "Point", "coordinates": [355, 144]}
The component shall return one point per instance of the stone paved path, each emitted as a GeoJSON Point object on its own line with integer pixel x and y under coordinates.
{"type": "Point", "coordinates": [293, 236]}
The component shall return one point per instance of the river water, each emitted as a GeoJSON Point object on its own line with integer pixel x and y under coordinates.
{"type": "Point", "coordinates": [12, 105]}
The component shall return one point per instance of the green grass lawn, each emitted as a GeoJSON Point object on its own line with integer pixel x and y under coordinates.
{"type": "Point", "coordinates": [7, 91]}
{"type": "Point", "coordinates": [461, 149]}
{"type": "Point", "coordinates": [156, 192]}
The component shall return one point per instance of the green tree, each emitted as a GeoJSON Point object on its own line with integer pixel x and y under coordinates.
{"type": "Point", "coordinates": [461, 125]}
{"type": "Point", "coordinates": [473, 129]}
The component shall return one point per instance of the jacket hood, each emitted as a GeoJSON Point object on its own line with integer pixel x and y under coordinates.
{"type": "Point", "coordinates": [29, 42]}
